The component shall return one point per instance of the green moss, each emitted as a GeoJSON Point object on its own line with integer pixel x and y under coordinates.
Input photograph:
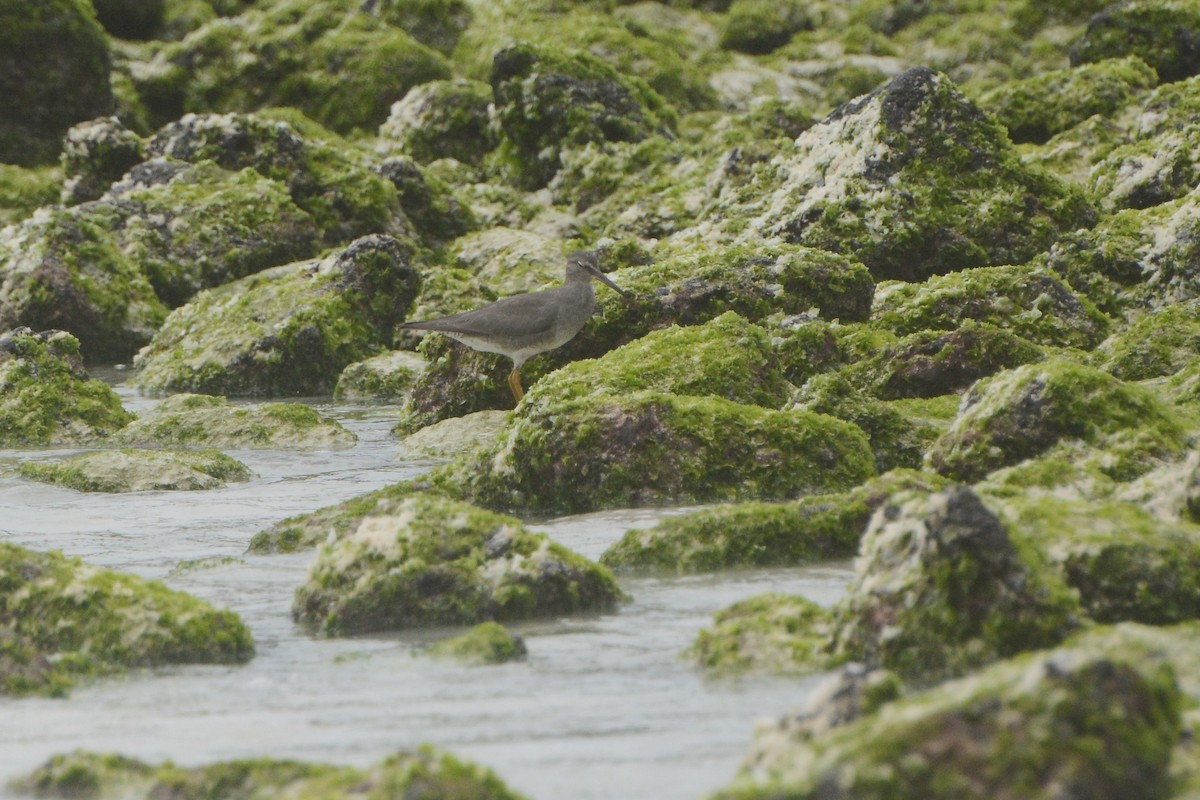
{"type": "Point", "coordinates": [758, 534]}
{"type": "Point", "coordinates": [46, 397]}
{"type": "Point", "coordinates": [203, 421]}
{"type": "Point", "coordinates": [651, 447]}
{"type": "Point", "coordinates": [486, 643]}
{"type": "Point", "coordinates": [1148, 29]}
{"type": "Point", "coordinates": [769, 633]}
{"type": "Point", "coordinates": [61, 620]}
{"type": "Point", "coordinates": [427, 560]}
{"type": "Point", "coordinates": [1020, 413]}
{"type": "Point", "coordinates": [760, 26]}
{"type": "Point", "coordinates": [1157, 345]}
{"type": "Point", "coordinates": [139, 470]}
{"type": "Point", "coordinates": [22, 190]}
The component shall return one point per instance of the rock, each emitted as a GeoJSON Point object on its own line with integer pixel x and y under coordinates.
{"type": "Point", "coordinates": [435, 23]}
{"type": "Point", "coordinates": [456, 436]}
{"type": "Point", "coordinates": [534, 87]}
{"type": "Point", "coordinates": [1163, 33]}
{"type": "Point", "coordinates": [203, 421]}
{"type": "Point", "coordinates": [441, 119]}
{"type": "Point", "coordinates": [290, 330]}
{"type": "Point", "coordinates": [46, 397]}
{"type": "Point", "coordinates": [649, 447]}
{"type": "Point", "coordinates": [1034, 109]}
{"type": "Point", "coordinates": [107, 271]}
{"type": "Point", "coordinates": [131, 19]}
{"type": "Point", "coordinates": [436, 215]}
{"type": "Point", "coordinates": [54, 65]}
{"type": "Point", "coordinates": [850, 693]}
{"type": "Point", "coordinates": [1031, 303]}
{"type": "Point", "coordinates": [509, 261]}
{"type": "Point", "coordinates": [139, 471]}
{"type": "Point", "coordinates": [63, 620]}
{"type": "Point", "coordinates": [427, 770]}
{"type": "Point", "coordinates": [486, 643]}
{"type": "Point", "coordinates": [1020, 413]}
{"type": "Point", "coordinates": [95, 155]}
{"type": "Point", "coordinates": [1074, 153]}
{"type": "Point", "coordinates": [941, 588]}
{"type": "Point", "coordinates": [1134, 260]}
{"type": "Point", "coordinates": [427, 560]}
{"type": "Point", "coordinates": [385, 378]}
{"type": "Point", "coordinates": [340, 67]}
{"type": "Point", "coordinates": [769, 633]}
{"type": "Point", "coordinates": [23, 191]}
{"type": "Point", "coordinates": [331, 522]}
{"type": "Point", "coordinates": [1158, 344]}
{"type": "Point", "coordinates": [919, 155]}
{"type": "Point", "coordinates": [1159, 159]}
{"type": "Point", "coordinates": [324, 177]}
{"type": "Point", "coordinates": [759, 534]}
{"type": "Point", "coordinates": [1068, 722]}
{"type": "Point", "coordinates": [760, 26]}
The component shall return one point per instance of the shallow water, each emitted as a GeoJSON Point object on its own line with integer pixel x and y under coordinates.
{"type": "Point", "coordinates": [602, 708]}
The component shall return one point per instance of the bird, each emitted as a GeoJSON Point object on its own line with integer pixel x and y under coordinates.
{"type": "Point", "coordinates": [524, 325]}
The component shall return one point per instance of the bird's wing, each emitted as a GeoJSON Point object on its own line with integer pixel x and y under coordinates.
{"type": "Point", "coordinates": [519, 315]}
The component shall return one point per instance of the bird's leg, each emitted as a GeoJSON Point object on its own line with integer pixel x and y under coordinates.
{"type": "Point", "coordinates": [514, 383]}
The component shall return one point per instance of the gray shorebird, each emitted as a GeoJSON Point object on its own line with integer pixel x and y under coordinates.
{"type": "Point", "coordinates": [524, 325]}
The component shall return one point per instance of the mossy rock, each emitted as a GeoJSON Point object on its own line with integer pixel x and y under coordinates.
{"type": "Point", "coordinates": [1034, 109]}
{"type": "Point", "coordinates": [54, 66]}
{"type": "Point", "coordinates": [385, 378]}
{"type": "Point", "coordinates": [290, 330]}
{"type": "Point", "coordinates": [205, 421]}
{"type": "Point", "coordinates": [139, 471]}
{"type": "Point", "coordinates": [1020, 413]}
{"type": "Point", "coordinates": [761, 534]}
{"type": "Point", "coordinates": [435, 213]}
{"type": "Point", "coordinates": [769, 633]}
{"type": "Point", "coordinates": [486, 643]}
{"type": "Point", "coordinates": [46, 396]}
{"type": "Point", "coordinates": [341, 67]}
{"type": "Point", "coordinates": [455, 437]}
{"type": "Point", "coordinates": [548, 100]}
{"type": "Point", "coordinates": [918, 154]}
{"type": "Point", "coordinates": [1160, 32]}
{"type": "Point", "coordinates": [95, 155]}
{"type": "Point", "coordinates": [1091, 721]}
{"type": "Point", "coordinates": [1157, 161]}
{"type": "Point", "coordinates": [1135, 259]}
{"type": "Point", "coordinates": [649, 447]}
{"type": "Point", "coordinates": [131, 19]}
{"type": "Point", "coordinates": [62, 620]}
{"type": "Point", "coordinates": [426, 560]}
{"type": "Point", "coordinates": [1074, 153]}
{"type": "Point", "coordinates": [941, 587]}
{"type": "Point", "coordinates": [760, 26]}
{"type": "Point", "coordinates": [23, 190]}
{"type": "Point", "coordinates": [435, 23]}
{"type": "Point", "coordinates": [1029, 302]}
{"type": "Point", "coordinates": [1158, 344]}
{"type": "Point", "coordinates": [441, 119]}
{"type": "Point", "coordinates": [1127, 565]}
{"type": "Point", "coordinates": [323, 174]}
{"type": "Point", "coordinates": [425, 771]}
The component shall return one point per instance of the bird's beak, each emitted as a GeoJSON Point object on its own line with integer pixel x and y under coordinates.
{"type": "Point", "coordinates": [607, 282]}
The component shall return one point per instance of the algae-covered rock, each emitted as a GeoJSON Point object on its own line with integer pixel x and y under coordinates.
{"type": "Point", "coordinates": [427, 560]}
{"type": "Point", "coordinates": [760, 26]}
{"type": "Point", "coordinates": [339, 520]}
{"type": "Point", "coordinates": [385, 378]}
{"type": "Point", "coordinates": [62, 620]}
{"type": "Point", "coordinates": [1029, 302]}
{"type": "Point", "coordinates": [913, 180]}
{"type": "Point", "coordinates": [456, 436]}
{"type": "Point", "coordinates": [204, 421]}
{"type": "Point", "coordinates": [486, 643]}
{"type": "Point", "coordinates": [323, 175]}
{"type": "Point", "coordinates": [139, 471]}
{"type": "Point", "coordinates": [761, 534]}
{"type": "Point", "coordinates": [1070, 722]}
{"type": "Point", "coordinates": [339, 66]}
{"type": "Point", "coordinates": [46, 396]}
{"type": "Point", "coordinates": [54, 65]}
{"type": "Point", "coordinates": [290, 330]}
{"type": "Point", "coordinates": [1127, 565]}
{"type": "Point", "coordinates": [1020, 413]}
{"type": "Point", "coordinates": [652, 447]}
{"type": "Point", "coordinates": [24, 190]}
{"type": "Point", "coordinates": [95, 155]}
{"type": "Point", "coordinates": [441, 119]}
{"type": "Point", "coordinates": [426, 772]}
{"type": "Point", "coordinates": [1034, 109]}
{"type": "Point", "coordinates": [548, 100]}
{"type": "Point", "coordinates": [131, 19]}
{"type": "Point", "coordinates": [769, 633]}
{"type": "Point", "coordinates": [941, 587]}
{"type": "Point", "coordinates": [1163, 33]}
{"type": "Point", "coordinates": [1158, 344]}
{"type": "Point", "coordinates": [436, 23]}
{"type": "Point", "coordinates": [1159, 160]}
{"type": "Point", "coordinates": [437, 216]}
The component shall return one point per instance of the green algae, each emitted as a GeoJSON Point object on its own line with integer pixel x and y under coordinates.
{"type": "Point", "coordinates": [768, 633]}
{"type": "Point", "coordinates": [139, 470]}
{"type": "Point", "coordinates": [486, 643]}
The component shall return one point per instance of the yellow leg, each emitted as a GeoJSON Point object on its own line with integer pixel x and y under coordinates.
{"type": "Point", "coordinates": [514, 383]}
